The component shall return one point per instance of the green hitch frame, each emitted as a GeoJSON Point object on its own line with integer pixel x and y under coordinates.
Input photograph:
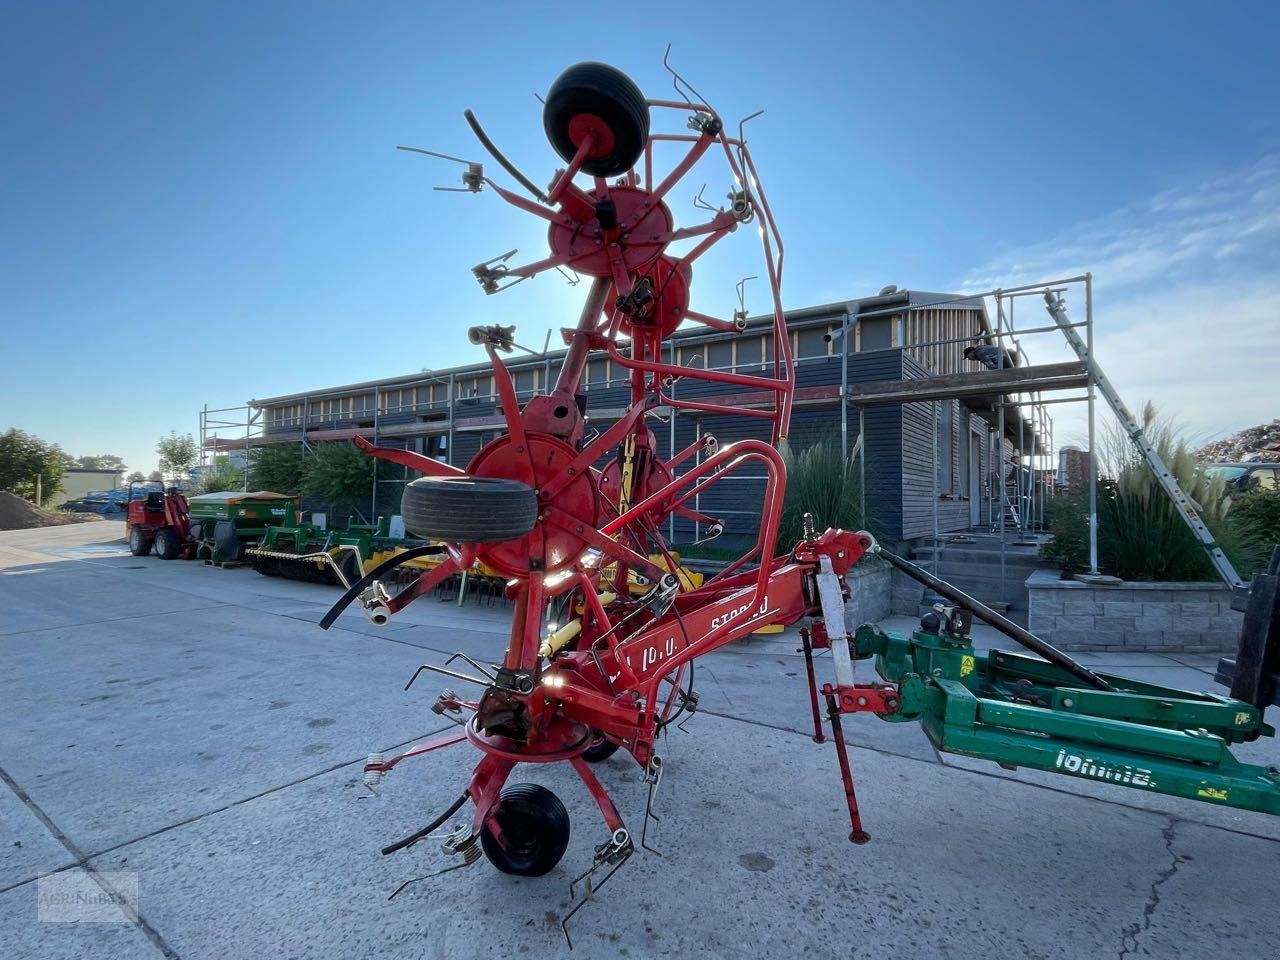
{"type": "Point", "coordinates": [1021, 711]}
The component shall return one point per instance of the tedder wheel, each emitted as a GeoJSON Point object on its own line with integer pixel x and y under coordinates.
{"type": "Point", "coordinates": [599, 752]}
{"type": "Point", "coordinates": [468, 509]}
{"type": "Point", "coordinates": [534, 829]}
{"type": "Point", "coordinates": [600, 99]}
{"type": "Point", "coordinates": [139, 545]}
{"type": "Point", "coordinates": [167, 545]}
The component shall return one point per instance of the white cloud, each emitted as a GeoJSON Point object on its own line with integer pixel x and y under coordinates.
{"type": "Point", "coordinates": [1186, 300]}
{"type": "Point", "coordinates": [1229, 224]}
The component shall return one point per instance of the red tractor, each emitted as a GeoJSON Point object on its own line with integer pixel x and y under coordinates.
{"type": "Point", "coordinates": [159, 519]}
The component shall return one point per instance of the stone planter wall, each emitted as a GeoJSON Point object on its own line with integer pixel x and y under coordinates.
{"type": "Point", "coordinates": [905, 595]}
{"type": "Point", "coordinates": [1158, 617]}
{"type": "Point", "coordinates": [869, 593]}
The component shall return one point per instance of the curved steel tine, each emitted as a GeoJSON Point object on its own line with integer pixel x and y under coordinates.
{"type": "Point", "coordinates": [433, 153]}
{"type": "Point", "coordinates": [677, 80]}
{"type": "Point", "coordinates": [479, 666]}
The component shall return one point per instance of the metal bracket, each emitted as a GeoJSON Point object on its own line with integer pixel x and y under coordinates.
{"type": "Point", "coordinates": [615, 851]}
{"type": "Point", "coordinates": [472, 177]}
{"type": "Point", "coordinates": [492, 271]}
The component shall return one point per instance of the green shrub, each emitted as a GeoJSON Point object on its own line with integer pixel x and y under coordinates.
{"type": "Point", "coordinates": [821, 482]}
{"type": "Point", "coordinates": [220, 477]}
{"type": "Point", "coordinates": [1141, 535]}
{"type": "Point", "coordinates": [280, 467]}
{"type": "Point", "coordinates": [1256, 518]}
{"type": "Point", "coordinates": [1067, 517]}
{"type": "Point", "coordinates": [341, 476]}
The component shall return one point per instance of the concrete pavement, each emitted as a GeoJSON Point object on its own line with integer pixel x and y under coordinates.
{"type": "Point", "coordinates": [194, 728]}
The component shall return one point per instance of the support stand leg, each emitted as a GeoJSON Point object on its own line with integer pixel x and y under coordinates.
{"type": "Point", "coordinates": [818, 736]}
{"type": "Point", "coordinates": [857, 834]}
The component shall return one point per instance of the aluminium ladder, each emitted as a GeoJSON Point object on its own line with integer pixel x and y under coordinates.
{"type": "Point", "coordinates": [1188, 510]}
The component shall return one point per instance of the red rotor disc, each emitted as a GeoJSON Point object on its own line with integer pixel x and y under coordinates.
{"type": "Point", "coordinates": [551, 458]}
{"type": "Point", "coordinates": [643, 228]}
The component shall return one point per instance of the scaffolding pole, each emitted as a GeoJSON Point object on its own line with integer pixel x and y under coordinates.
{"type": "Point", "coordinates": [1093, 445]}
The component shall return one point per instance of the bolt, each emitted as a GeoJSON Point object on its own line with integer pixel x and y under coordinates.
{"type": "Point", "coordinates": [862, 701]}
{"type": "Point", "coordinates": [1068, 703]}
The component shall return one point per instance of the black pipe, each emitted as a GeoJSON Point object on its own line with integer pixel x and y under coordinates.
{"type": "Point", "coordinates": [433, 825]}
{"type": "Point", "coordinates": [497, 155]}
{"type": "Point", "coordinates": [1003, 624]}
{"type": "Point", "coordinates": [390, 563]}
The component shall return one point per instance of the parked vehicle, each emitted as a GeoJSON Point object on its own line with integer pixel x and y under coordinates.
{"type": "Point", "coordinates": [1241, 478]}
{"type": "Point", "coordinates": [159, 520]}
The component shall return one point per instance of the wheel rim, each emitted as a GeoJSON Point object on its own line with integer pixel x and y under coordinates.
{"type": "Point", "coordinates": [520, 836]}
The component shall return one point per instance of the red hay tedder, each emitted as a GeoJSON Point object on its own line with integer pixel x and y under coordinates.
{"type": "Point", "coordinates": [590, 667]}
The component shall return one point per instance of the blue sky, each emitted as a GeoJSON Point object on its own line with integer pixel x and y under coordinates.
{"type": "Point", "coordinates": [181, 179]}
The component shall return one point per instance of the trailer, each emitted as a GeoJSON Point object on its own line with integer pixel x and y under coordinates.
{"type": "Point", "coordinates": [225, 524]}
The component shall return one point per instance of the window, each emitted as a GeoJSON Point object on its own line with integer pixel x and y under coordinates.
{"type": "Point", "coordinates": [811, 343]}
{"type": "Point", "coordinates": [692, 356]}
{"type": "Point", "coordinates": [286, 416]}
{"type": "Point", "coordinates": [748, 352]}
{"type": "Point", "coordinates": [598, 373]}
{"type": "Point", "coordinates": [525, 381]}
{"type": "Point", "coordinates": [946, 448]}
{"type": "Point", "coordinates": [720, 354]}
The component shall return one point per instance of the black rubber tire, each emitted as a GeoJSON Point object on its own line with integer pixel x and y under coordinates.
{"type": "Point", "coordinates": [468, 509]}
{"type": "Point", "coordinates": [227, 542]}
{"type": "Point", "coordinates": [139, 544]}
{"type": "Point", "coordinates": [599, 752]}
{"type": "Point", "coordinates": [167, 544]}
{"type": "Point", "coordinates": [610, 95]}
{"type": "Point", "coordinates": [534, 824]}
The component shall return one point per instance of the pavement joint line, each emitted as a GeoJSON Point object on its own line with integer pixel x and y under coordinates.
{"type": "Point", "coordinates": [181, 823]}
{"type": "Point", "coordinates": [1011, 780]}
{"type": "Point", "coordinates": [132, 616]}
{"type": "Point", "coordinates": [139, 921]}
{"type": "Point", "coordinates": [100, 563]}
{"type": "Point", "coordinates": [1192, 666]}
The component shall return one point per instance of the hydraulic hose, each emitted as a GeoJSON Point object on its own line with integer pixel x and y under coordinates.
{"type": "Point", "coordinates": [987, 615]}
{"type": "Point", "coordinates": [359, 586]}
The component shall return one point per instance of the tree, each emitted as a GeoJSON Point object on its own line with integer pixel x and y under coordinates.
{"type": "Point", "coordinates": [223, 475]}
{"type": "Point", "coordinates": [341, 476]}
{"type": "Point", "coordinates": [135, 477]}
{"type": "Point", "coordinates": [107, 461]}
{"type": "Point", "coordinates": [177, 454]}
{"type": "Point", "coordinates": [155, 475]}
{"type": "Point", "coordinates": [281, 467]}
{"type": "Point", "coordinates": [24, 459]}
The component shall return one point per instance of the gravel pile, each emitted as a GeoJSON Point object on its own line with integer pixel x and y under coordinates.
{"type": "Point", "coordinates": [1255, 443]}
{"type": "Point", "coordinates": [18, 514]}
